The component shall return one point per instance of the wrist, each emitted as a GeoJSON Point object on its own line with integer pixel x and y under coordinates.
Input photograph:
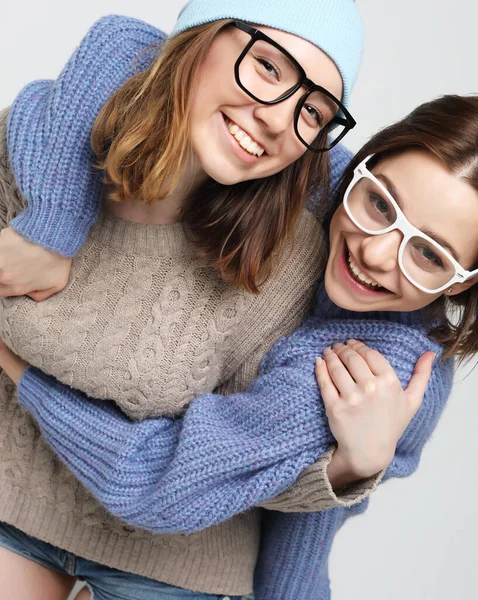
{"type": "Point", "coordinates": [340, 470]}
{"type": "Point", "coordinates": [13, 365]}
{"type": "Point", "coordinates": [345, 469]}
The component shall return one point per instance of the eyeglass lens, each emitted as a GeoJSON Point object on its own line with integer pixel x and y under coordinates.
{"type": "Point", "coordinates": [423, 262]}
{"type": "Point", "coordinates": [268, 75]}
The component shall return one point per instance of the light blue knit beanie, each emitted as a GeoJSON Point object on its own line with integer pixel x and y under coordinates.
{"type": "Point", "coordinates": [334, 26]}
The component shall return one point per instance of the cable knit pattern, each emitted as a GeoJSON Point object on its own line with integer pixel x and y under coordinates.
{"type": "Point", "coordinates": [143, 322]}
{"type": "Point", "coordinates": [230, 453]}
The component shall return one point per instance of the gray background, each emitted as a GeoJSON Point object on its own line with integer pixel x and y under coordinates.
{"type": "Point", "coordinates": [418, 539]}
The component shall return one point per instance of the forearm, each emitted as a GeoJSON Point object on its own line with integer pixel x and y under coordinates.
{"type": "Point", "coordinates": [228, 453]}
{"type": "Point", "coordinates": [223, 455]}
{"type": "Point", "coordinates": [49, 131]}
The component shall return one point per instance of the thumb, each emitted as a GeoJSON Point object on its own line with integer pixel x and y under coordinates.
{"type": "Point", "coordinates": [41, 295]}
{"type": "Point", "coordinates": [420, 378]}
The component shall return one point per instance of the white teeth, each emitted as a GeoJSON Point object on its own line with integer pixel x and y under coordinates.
{"type": "Point", "coordinates": [252, 147]}
{"type": "Point", "coordinates": [359, 275]}
{"type": "Point", "coordinates": [245, 140]}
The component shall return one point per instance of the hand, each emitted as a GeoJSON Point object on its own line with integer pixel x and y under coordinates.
{"type": "Point", "coordinates": [12, 364]}
{"type": "Point", "coordinates": [29, 269]}
{"type": "Point", "coordinates": [367, 409]}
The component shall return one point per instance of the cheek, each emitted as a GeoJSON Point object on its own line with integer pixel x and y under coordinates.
{"type": "Point", "coordinates": [413, 298]}
{"type": "Point", "coordinates": [290, 153]}
{"type": "Point", "coordinates": [339, 224]}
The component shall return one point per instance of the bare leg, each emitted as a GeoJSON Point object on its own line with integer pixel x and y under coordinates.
{"type": "Point", "coordinates": [25, 579]}
{"type": "Point", "coordinates": [83, 594]}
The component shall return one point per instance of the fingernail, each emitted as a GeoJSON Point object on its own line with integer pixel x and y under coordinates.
{"type": "Point", "coordinates": [351, 341]}
{"type": "Point", "coordinates": [326, 351]}
{"type": "Point", "coordinates": [337, 345]}
{"type": "Point", "coordinates": [318, 360]}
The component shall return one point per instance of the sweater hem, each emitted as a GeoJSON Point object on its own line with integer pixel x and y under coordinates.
{"type": "Point", "coordinates": [155, 558]}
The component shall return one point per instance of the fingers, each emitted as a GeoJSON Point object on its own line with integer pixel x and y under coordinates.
{"type": "Point", "coordinates": [339, 373]}
{"type": "Point", "coordinates": [327, 388]}
{"type": "Point", "coordinates": [377, 363]}
{"type": "Point", "coordinates": [355, 363]}
{"type": "Point", "coordinates": [420, 378]}
{"type": "Point", "coordinates": [7, 291]}
{"type": "Point", "coordinates": [41, 295]}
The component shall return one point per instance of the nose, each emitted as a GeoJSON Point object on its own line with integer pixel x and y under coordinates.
{"type": "Point", "coordinates": [380, 252]}
{"type": "Point", "coordinates": [277, 118]}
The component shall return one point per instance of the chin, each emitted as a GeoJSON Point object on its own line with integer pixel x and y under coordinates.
{"type": "Point", "coordinates": [341, 299]}
{"type": "Point", "coordinates": [225, 178]}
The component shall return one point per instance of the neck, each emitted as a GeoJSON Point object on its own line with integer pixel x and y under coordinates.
{"type": "Point", "coordinates": [162, 212]}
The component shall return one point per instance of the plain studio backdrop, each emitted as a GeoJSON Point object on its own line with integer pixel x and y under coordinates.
{"type": "Point", "coordinates": [418, 539]}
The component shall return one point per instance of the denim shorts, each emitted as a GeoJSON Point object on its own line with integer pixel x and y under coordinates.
{"type": "Point", "coordinates": [103, 582]}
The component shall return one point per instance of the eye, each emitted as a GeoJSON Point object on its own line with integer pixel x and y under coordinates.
{"type": "Point", "coordinates": [314, 114]}
{"type": "Point", "coordinates": [429, 256]}
{"type": "Point", "coordinates": [379, 209]}
{"type": "Point", "coordinates": [268, 68]}
{"type": "Point", "coordinates": [380, 204]}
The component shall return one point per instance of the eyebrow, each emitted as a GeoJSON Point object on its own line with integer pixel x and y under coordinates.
{"type": "Point", "coordinates": [435, 236]}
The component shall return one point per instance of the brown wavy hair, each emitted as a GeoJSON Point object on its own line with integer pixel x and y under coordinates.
{"type": "Point", "coordinates": [141, 141]}
{"type": "Point", "coordinates": [447, 128]}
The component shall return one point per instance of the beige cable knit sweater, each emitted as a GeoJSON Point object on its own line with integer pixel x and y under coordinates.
{"type": "Point", "coordinates": [143, 322]}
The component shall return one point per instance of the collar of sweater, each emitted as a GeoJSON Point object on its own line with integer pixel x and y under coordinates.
{"type": "Point", "coordinates": [326, 309]}
{"type": "Point", "coordinates": [128, 237]}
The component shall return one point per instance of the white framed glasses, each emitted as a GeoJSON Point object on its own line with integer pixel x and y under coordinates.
{"type": "Point", "coordinates": [423, 261]}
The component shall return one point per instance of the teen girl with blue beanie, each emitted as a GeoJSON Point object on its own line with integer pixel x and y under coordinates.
{"type": "Point", "coordinates": [402, 237]}
{"type": "Point", "coordinates": [161, 310]}
{"type": "Point", "coordinates": [24, 116]}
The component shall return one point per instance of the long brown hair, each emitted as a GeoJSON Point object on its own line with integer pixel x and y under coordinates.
{"type": "Point", "coordinates": [141, 141]}
{"type": "Point", "coordinates": [447, 128]}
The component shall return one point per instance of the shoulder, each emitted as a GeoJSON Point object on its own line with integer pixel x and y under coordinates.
{"type": "Point", "coordinates": [285, 297]}
{"type": "Point", "coordinates": [301, 261]}
{"type": "Point", "coordinates": [401, 345]}
{"type": "Point", "coordinates": [340, 157]}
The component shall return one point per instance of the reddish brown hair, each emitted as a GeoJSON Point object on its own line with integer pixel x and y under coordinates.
{"type": "Point", "coordinates": [447, 128]}
{"type": "Point", "coordinates": [141, 140]}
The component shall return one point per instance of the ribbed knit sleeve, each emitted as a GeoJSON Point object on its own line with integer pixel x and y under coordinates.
{"type": "Point", "coordinates": [295, 548]}
{"type": "Point", "coordinates": [228, 453]}
{"type": "Point", "coordinates": [49, 131]}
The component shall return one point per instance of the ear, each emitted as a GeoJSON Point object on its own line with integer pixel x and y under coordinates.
{"type": "Point", "coordinates": [458, 288]}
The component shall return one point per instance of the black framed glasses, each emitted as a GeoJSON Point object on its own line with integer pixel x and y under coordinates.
{"type": "Point", "coordinates": [266, 72]}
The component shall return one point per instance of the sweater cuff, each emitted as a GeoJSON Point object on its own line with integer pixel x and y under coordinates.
{"type": "Point", "coordinates": [30, 390]}
{"type": "Point", "coordinates": [313, 492]}
{"type": "Point", "coordinates": [57, 231]}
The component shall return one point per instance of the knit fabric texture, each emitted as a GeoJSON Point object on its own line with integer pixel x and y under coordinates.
{"type": "Point", "coordinates": [122, 330]}
{"type": "Point", "coordinates": [49, 130]}
{"type": "Point", "coordinates": [335, 26]}
{"type": "Point", "coordinates": [230, 452]}
{"type": "Point", "coordinates": [145, 323]}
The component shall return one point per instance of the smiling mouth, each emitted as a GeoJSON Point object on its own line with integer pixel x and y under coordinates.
{"type": "Point", "coordinates": [361, 277]}
{"type": "Point", "coordinates": [244, 139]}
